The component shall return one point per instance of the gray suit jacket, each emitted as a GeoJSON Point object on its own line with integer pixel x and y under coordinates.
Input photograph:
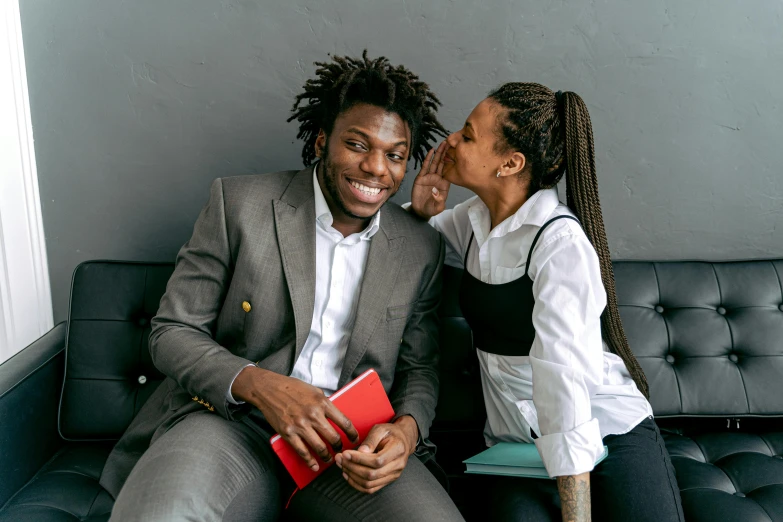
{"type": "Point", "coordinates": [254, 244]}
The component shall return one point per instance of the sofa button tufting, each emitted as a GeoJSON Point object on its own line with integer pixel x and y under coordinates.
{"type": "Point", "coordinates": [733, 357]}
{"type": "Point", "coordinates": [670, 359]}
{"type": "Point", "coordinates": [780, 308]}
{"type": "Point", "coordinates": [142, 379]}
{"type": "Point", "coordinates": [721, 310]}
{"type": "Point", "coordinates": [142, 321]}
{"type": "Point", "coordinates": [739, 494]}
{"type": "Point", "coordinates": [659, 309]}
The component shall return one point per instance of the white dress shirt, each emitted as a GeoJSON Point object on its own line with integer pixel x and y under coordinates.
{"type": "Point", "coordinates": [570, 390]}
{"type": "Point", "coordinates": [339, 271]}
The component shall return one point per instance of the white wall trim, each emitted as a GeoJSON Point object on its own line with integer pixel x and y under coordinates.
{"type": "Point", "coordinates": [25, 293]}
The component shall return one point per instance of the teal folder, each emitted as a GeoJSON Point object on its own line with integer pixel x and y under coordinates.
{"type": "Point", "coordinates": [516, 459]}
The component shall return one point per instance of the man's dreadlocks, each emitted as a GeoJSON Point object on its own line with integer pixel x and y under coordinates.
{"type": "Point", "coordinates": [345, 82]}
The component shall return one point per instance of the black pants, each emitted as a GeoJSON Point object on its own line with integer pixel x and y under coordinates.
{"type": "Point", "coordinates": [635, 482]}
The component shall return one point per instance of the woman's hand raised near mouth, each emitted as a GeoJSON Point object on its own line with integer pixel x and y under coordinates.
{"type": "Point", "coordinates": [430, 190]}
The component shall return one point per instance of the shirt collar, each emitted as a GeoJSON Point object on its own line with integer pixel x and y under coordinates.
{"type": "Point", "coordinates": [324, 215]}
{"type": "Point", "coordinates": [535, 211]}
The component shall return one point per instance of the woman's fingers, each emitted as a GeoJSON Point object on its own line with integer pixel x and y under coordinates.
{"type": "Point", "coordinates": [426, 164]}
{"type": "Point", "coordinates": [441, 154]}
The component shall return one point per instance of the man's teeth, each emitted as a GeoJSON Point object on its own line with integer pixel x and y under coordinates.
{"type": "Point", "coordinates": [366, 190]}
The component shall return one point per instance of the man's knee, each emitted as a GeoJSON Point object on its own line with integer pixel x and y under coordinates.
{"type": "Point", "coordinates": [416, 496]}
{"type": "Point", "coordinates": [201, 465]}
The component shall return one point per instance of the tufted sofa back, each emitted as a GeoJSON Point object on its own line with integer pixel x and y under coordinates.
{"type": "Point", "coordinates": [708, 335]}
{"type": "Point", "coordinates": [108, 371]}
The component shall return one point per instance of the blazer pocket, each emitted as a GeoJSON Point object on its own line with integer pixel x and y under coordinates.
{"type": "Point", "coordinates": [394, 313]}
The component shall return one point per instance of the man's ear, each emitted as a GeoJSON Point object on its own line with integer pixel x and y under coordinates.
{"type": "Point", "coordinates": [320, 143]}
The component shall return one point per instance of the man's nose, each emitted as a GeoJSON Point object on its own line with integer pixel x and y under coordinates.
{"type": "Point", "coordinates": [374, 163]}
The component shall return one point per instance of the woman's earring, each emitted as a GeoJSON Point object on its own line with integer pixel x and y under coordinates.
{"type": "Point", "coordinates": [498, 174]}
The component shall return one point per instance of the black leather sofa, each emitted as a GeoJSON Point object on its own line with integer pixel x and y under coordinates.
{"type": "Point", "coordinates": [709, 336]}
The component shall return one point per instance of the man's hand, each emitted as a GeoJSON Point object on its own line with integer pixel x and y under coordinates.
{"type": "Point", "coordinates": [296, 410]}
{"type": "Point", "coordinates": [380, 459]}
{"type": "Point", "coordinates": [430, 189]}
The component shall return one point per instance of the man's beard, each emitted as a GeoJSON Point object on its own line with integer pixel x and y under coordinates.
{"type": "Point", "coordinates": [330, 184]}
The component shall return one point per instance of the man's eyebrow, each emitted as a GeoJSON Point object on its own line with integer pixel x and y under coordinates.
{"type": "Point", "coordinates": [469, 125]}
{"type": "Point", "coordinates": [354, 130]}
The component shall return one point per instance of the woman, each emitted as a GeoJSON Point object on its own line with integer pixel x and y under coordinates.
{"type": "Point", "coordinates": [537, 280]}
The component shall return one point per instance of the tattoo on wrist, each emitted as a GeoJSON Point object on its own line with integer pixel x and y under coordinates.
{"type": "Point", "coordinates": [574, 498]}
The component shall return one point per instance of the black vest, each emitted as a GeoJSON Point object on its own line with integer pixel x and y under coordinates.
{"type": "Point", "coordinates": [501, 316]}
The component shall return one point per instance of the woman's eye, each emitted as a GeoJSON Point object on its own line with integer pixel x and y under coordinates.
{"type": "Point", "coordinates": [395, 157]}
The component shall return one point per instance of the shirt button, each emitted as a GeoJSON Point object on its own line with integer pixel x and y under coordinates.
{"type": "Point", "coordinates": [142, 379]}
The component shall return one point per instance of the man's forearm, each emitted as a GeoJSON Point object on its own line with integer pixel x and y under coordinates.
{"type": "Point", "coordinates": [575, 497]}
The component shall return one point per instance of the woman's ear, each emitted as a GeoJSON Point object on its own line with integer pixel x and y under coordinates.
{"type": "Point", "coordinates": [320, 143]}
{"type": "Point", "coordinates": [513, 165]}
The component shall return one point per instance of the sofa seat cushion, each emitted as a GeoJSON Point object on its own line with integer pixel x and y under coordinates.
{"type": "Point", "coordinates": [65, 489]}
{"type": "Point", "coordinates": [729, 475]}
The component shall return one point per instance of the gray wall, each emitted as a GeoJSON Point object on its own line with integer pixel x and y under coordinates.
{"type": "Point", "coordinates": [137, 105]}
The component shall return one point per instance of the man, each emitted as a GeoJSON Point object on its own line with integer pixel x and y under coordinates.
{"type": "Point", "coordinates": [313, 277]}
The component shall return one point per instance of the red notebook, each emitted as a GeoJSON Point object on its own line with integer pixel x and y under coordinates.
{"type": "Point", "coordinates": [364, 401]}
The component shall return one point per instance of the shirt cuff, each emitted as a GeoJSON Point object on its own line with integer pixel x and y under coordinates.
{"type": "Point", "coordinates": [229, 397]}
{"type": "Point", "coordinates": [572, 452]}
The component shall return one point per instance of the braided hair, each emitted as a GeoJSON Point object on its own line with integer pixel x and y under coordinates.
{"type": "Point", "coordinates": [345, 82]}
{"type": "Point", "coordinates": [554, 133]}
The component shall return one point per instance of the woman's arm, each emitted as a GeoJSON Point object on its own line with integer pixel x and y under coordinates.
{"type": "Point", "coordinates": [567, 362]}
{"type": "Point", "coordinates": [575, 497]}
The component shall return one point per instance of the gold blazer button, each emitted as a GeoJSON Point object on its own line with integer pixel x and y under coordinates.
{"type": "Point", "coordinates": [246, 306]}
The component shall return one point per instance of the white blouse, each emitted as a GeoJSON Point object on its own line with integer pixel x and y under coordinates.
{"type": "Point", "coordinates": [570, 391]}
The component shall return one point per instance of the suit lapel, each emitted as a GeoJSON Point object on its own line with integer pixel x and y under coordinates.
{"type": "Point", "coordinates": [295, 226]}
{"type": "Point", "coordinates": [380, 275]}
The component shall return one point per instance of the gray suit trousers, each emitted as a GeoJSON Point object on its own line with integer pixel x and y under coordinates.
{"type": "Point", "coordinates": [207, 468]}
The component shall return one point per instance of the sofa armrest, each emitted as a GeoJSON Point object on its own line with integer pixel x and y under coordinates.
{"type": "Point", "coordinates": [30, 384]}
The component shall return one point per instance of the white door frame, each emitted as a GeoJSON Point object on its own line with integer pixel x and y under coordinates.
{"type": "Point", "coordinates": [25, 294]}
